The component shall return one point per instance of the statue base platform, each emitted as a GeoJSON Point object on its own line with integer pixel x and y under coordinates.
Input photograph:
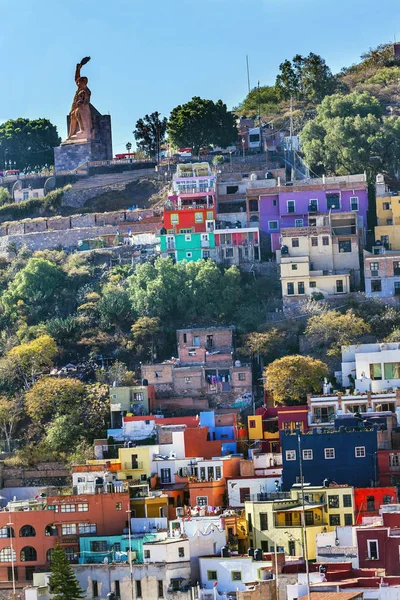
{"type": "Point", "coordinates": [73, 153]}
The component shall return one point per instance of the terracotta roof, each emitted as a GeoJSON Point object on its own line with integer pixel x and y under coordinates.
{"type": "Point", "coordinates": [332, 596]}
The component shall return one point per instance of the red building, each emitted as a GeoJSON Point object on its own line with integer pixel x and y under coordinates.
{"type": "Point", "coordinates": [36, 526]}
{"type": "Point", "coordinates": [267, 424]}
{"type": "Point", "coordinates": [188, 218]}
{"type": "Point", "coordinates": [367, 501]}
{"type": "Point", "coordinates": [379, 547]}
{"type": "Point", "coordinates": [389, 467]}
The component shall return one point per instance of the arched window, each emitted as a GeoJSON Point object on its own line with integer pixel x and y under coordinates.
{"type": "Point", "coordinates": [51, 530]}
{"type": "Point", "coordinates": [49, 555]}
{"type": "Point", "coordinates": [6, 532]}
{"type": "Point", "coordinates": [254, 219]}
{"type": "Point", "coordinates": [28, 554]}
{"type": "Point", "coordinates": [253, 205]}
{"type": "Point", "coordinates": [27, 531]}
{"type": "Point", "coordinates": [5, 555]}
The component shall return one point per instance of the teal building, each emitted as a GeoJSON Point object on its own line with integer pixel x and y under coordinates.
{"type": "Point", "coordinates": [112, 548]}
{"type": "Point", "coordinates": [188, 246]}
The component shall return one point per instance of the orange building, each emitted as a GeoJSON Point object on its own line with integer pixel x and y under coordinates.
{"type": "Point", "coordinates": [29, 530]}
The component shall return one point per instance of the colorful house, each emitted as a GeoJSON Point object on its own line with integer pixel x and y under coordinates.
{"type": "Point", "coordinates": [267, 423]}
{"type": "Point", "coordinates": [367, 501]}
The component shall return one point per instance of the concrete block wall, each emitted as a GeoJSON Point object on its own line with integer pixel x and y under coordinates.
{"type": "Point", "coordinates": [58, 223]}
{"type": "Point", "coordinates": [35, 225]}
{"type": "Point", "coordinates": [88, 220]}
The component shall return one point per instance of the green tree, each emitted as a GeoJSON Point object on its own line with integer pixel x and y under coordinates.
{"type": "Point", "coordinates": [35, 290]}
{"type": "Point", "coordinates": [332, 330]}
{"type": "Point", "coordinates": [28, 143]}
{"type": "Point", "coordinates": [150, 133]}
{"type": "Point", "coordinates": [200, 123]}
{"type": "Point", "coordinates": [146, 336]}
{"type": "Point", "coordinates": [264, 346]}
{"type": "Point", "coordinates": [305, 78]}
{"type": "Point", "coordinates": [115, 307]}
{"type": "Point", "coordinates": [5, 196]}
{"type": "Point", "coordinates": [50, 396]}
{"type": "Point", "coordinates": [63, 583]}
{"type": "Point", "coordinates": [11, 413]}
{"type": "Point", "coordinates": [264, 99]}
{"type": "Point", "coordinates": [291, 378]}
{"type": "Point", "coordinates": [28, 361]}
{"type": "Point", "coordinates": [349, 135]}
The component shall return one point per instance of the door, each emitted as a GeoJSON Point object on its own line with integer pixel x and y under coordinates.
{"type": "Point", "coordinates": [292, 548]}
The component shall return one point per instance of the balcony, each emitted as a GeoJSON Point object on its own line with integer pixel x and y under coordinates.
{"type": "Point", "coordinates": [266, 497]}
{"type": "Point", "coordinates": [137, 466]}
{"type": "Point", "coordinates": [67, 540]}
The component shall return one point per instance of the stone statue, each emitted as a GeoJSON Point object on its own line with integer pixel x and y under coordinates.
{"type": "Point", "coordinates": [80, 127]}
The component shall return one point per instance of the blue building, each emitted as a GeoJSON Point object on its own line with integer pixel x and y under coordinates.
{"type": "Point", "coordinates": [112, 548]}
{"type": "Point", "coordinates": [344, 455]}
{"type": "Point", "coordinates": [224, 433]}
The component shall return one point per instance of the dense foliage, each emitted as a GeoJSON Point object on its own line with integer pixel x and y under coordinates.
{"type": "Point", "coordinates": [28, 144]}
{"type": "Point", "coordinates": [150, 133]}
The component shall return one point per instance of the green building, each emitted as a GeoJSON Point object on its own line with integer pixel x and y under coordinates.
{"type": "Point", "coordinates": [188, 246]}
{"type": "Point", "coordinates": [134, 400]}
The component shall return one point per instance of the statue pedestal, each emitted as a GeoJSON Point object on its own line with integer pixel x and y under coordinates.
{"type": "Point", "coordinates": [73, 153]}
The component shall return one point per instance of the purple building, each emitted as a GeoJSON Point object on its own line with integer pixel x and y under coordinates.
{"type": "Point", "coordinates": [296, 206]}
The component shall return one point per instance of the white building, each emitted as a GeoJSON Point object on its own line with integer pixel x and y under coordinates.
{"type": "Point", "coordinates": [338, 546]}
{"type": "Point", "coordinates": [242, 489]}
{"type": "Point", "coordinates": [231, 574]}
{"type": "Point", "coordinates": [371, 367]}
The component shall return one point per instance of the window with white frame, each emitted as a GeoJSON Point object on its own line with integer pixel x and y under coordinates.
{"type": "Point", "coordinates": [68, 529]}
{"type": "Point", "coordinates": [188, 255]}
{"type": "Point", "coordinates": [329, 453]}
{"type": "Point", "coordinates": [307, 454]}
{"type": "Point", "coordinates": [291, 206]}
{"type": "Point", "coordinates": [202, 500]}
{"type": "Point", "coordinates": [188, 237]}
{"type": "Point", "coordinates": [373, 549]}
{"type": "Point", "coordinates": [83, 507]}
{"type": "Point", "coordinates": [298, 222]}
{"type": "Point", "coordinates": [360, 451]}
{"type": "Point", "coordinates": [67, 508]}
{"type": "Point", "coordinates": [354, 203]}
{"type": "Point", "coordinates": [290, 454]}
{"type": "Point", "coordinates": [87, 528]}
{"type": "Point", "coordinates": [273, 225]}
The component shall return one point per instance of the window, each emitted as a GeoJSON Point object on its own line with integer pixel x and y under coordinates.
{"type": "Point", "coordinates": [244, 494]}
{"type": "Point", "coordinates": [295, 242]}
{"type": "Point", "coordinates": [27, 531]}
{"type": "Point", "coordinates": [117, 588]}
{"type": "Point", "coordinates": [28, 554]}
{"type": "Point", "coordinates": [228, 252]}
{"type": "Point", "coordinates": [391, 371]}
{"type": "Point", "coordinates": [376, 285]}
{"type": "Point", "coordinates": [210, 215]}
{"type": "Point", "coordinates": [67, 508]}
{"type": "Point", "coordinates": [290, 288]}
{"type": "Point", "coordinates": [348, 519]}
{"type": "Point", "coordinates": [298, 223]}
{"type": "Point", "coordinates": [6, 532]}
{"type": "Point", "coordinates": [242, 376]}
{"type": "Point", "coordinates": [300, 287]}
{"type": "Point", "coordinates": [95, 590]}
{"type": "Point", "coordinates": [344, 246]}
{"type": "Point", "coordinates": [290, 454]}
{"type": "Point", "coordinates": [181, 552]}
{"type": "Point", "coordinates": [273, 225]}
{"type": "Point", "coordinates": [83, 507]}
{"type": "Point", "coordinates": [397, 288]}
{"type": "Point", "coordinates": [387, 499]}
{"type": "Point", "coordinates": [202, 500]}
{"type": "Point", "coordinates": [339, 286]}
{"type": "Point", "coordinates": [174, 219]}
{"type": "Point", "coordinates": [254, 137]}
{"type": "Point", "coordinates": [218, 473]}
{"type": "Point", "coordinates": [188, 237]}
{"type": "Point", "coordinates": [205, 254]}
{"type": "Point", "coordinates": [394, 460]}
{"type": "Point", "coordinates": [87, 528]}
{"type": "Point", "coordinates": [324, 414]}
{"type": "Point", "coordinates": [294, 267]}
{"type": "Point", "coordinates": [118, 506]}
{"type": "Point", "coordinates": [354, 203]}
{"type": "Point", "coordinates": [386, 206]}
{"type": "Point", "coordinates": [5, 555]}
{"type": "Point", "coordinates": [68, 529]}
{"type": "Point", "coordinates": [314, 241]}
{"type": "Point", "coordinates": [212, 575]}
{"type": "Point", "coordinates": [138, 585]}
{"type": "Point", "coordinates": [313, 205]}
{"type": "Point", "coordinates": [325, 240]}
{"type": "Point", "coordinates": [165, 475]}
{"type": "Point", "coordinates": [263, 521]}
{"type": "Point", "coordinates": [374, 267]}
{"type": "Point", "coordinates": [185, 231]}
{"type": "Point", "coordinates": [334, 520]}
{"type": "Point", "coordinates": [389, 221]}
{"type": "Point", "coordinates": [309, 518]}
{"type": "Point", "coordinates": [313, 284]}
{"type": "Point", "coordinates": [333, 501]}
{"type": "Point", "coordinates": [333, 201]}
{"type": "Point", "coordinates": [10, 574]}
{"type": "Point", "coordinates": [396, 268]}
{"type": "Point", "coordinates": [329, 453]}
{"type": "Point", "coordinates": [252, 425]}
{"type": "Point", "coordinates": [307, 454]}
{"type": "Point", "coordinates": [250, 522]}
{"type": "Point", "coordinates": [188, 379]}
{"type": "Point", "coordinates": [291, 206]}
{"type": "Point", "coordinates": [99, 546]}
{"type": "Point", "coordinates": [253, 205]}
{"type": "Point", "coordinates": [375, 371]}
{"type": "Point", "coordinates": [347, 501]}
{"type": "Point", "coordinates": [236, 575]}
{"type": "Point", "coordinates": [232, 189]}
{"type": "Point", "coordinates": [198, 217]}
{"type": "Point", "coordinates": [189, 255]}
{"type": "Point", "coordinates": [146, 553]}
{"type": "Point", "coordinates": [373, 549]}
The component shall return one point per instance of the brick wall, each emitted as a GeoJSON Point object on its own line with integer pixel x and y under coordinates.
{"type": "Point", "coordinates": [246, 468]}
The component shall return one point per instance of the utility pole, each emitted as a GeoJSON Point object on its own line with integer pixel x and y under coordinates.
{"type": "Point", "coordinates": [248, 73]}
{"type": "Point", "coordinates": [11, 533]}
{"type": "Point", "coordinates": [129, 511]}
{"type": "Point", "coordinates": [303, 517]}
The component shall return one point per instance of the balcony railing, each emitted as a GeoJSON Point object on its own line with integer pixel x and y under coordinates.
{"type": "Point", "coordinates": [68, 539]}
{"type": "Point", "coordinates": [266, 497]}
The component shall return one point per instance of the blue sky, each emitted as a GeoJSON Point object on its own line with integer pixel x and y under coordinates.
{"type": "Point", "coordinates": [154, 54]}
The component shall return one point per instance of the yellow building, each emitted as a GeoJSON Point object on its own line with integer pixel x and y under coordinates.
{"type": "Point", "coordinates": [387, 229]}
{"type": "Point", "coordinates": [279, 521]}
{"type": "Point", "coordinates": [136, 462]}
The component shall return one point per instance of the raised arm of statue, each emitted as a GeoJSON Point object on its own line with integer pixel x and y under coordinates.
{"type": "Point", "coordinates": [77, 73]}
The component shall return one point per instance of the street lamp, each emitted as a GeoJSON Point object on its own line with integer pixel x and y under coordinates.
{"type": "Point", "coordinates": [243, 143]}
{"type": "Point", "coordinates": [10, 525]}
